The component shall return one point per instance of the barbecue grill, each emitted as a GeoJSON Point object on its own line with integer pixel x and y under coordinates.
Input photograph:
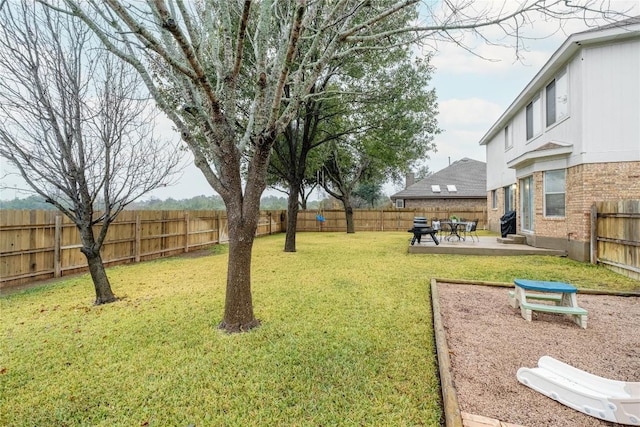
{"type": "Point", "coordinates": [420, 228]}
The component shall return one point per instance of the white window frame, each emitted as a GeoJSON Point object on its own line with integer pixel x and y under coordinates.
{"type": "Point", "coordinates": [535, 118]}
{"type": "Point", "coordinates": [560, 101]}
{"type": "Point", "coordinates": [400, 203]}
{"type": "Point", "coordinates": [508, 138]}
{"type": "Point", "coordinates": [494, 199]}
{"type": "Point", "coordinates": [550, 192]}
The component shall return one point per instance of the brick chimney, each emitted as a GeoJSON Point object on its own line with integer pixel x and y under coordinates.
{"type": "Point", "coordinates": [410, 179]}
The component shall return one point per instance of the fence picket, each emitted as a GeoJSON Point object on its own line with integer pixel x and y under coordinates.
{"type": "Point", "coordinates": [42, 244]}
{"type": "Point", "coordinates": [39, 245]}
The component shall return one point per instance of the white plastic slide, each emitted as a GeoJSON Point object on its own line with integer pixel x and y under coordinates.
{"type": "Point", "coordinates": [610, 400]}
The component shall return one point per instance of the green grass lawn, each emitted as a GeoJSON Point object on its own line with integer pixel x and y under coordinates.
{"type": "Point", "coordinates": [346, 338]}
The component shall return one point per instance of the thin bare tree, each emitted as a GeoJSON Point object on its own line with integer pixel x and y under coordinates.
{"type": "Point", "coordinates": [75, 124]}
{"type": "Point", "coordinates": [219, 69]}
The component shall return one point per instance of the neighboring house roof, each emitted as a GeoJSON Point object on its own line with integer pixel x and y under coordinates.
{"type": "Point", "coordinates": [467, 176]}
{"type": "Point", "coordinates": [617, 31]}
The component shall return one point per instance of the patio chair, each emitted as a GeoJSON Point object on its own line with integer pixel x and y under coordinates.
{"type": "Point", "coordinates": [435, 224]}
{"type": "Point", "coordinates": [445, 228]}
{"type": "Point", "coordinates": [471, 229]}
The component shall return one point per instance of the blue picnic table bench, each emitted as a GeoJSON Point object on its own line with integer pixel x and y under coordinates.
{"type": "Point", "coordinates": [563, 295]}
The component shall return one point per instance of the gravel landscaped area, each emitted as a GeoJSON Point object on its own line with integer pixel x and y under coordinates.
{"type": "Point", "coordinates": [489, 341]}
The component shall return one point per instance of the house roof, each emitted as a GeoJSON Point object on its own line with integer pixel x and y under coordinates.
{"type": "Point", "coordinates": [468, 176]}
{"type": "Point", "coordinates": [617, 31]}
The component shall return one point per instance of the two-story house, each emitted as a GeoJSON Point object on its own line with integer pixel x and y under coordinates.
{"type": "Point", "coordinates": [571, 138]}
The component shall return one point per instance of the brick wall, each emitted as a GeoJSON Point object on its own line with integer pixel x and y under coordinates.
{"type": "Point", "coordinates": [494, 215]}
{"type": "Point", "coordinates": [446, 204]}
{"type": "Point", "coordinates": [585, 185]}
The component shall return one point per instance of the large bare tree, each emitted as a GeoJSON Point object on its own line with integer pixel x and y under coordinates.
{"type": "Point", "coordinates": [75, 124]}
{"type": "Point", "coordinates": [219, 69]}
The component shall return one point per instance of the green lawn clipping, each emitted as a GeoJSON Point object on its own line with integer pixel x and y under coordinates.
{"type": "Point", "coordinates": [346, 338]}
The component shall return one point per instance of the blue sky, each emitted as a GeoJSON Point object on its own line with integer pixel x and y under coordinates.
{"type": "Point", "coordinates": [472, 94]}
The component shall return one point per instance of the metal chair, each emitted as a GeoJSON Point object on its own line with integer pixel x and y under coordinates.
{"type": "Point", "coordinates": [472, 228]}
{"type": "Point", "coordinates": [435, 224]}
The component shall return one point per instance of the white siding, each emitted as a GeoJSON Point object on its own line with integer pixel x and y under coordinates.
{"type": "Point", "coordinates": [603, 122]}
{"type": "Point", "coordinates": [611, 103]}
{"type": "Point", "coordinates": [498, 174]}
{"type": "Point", "coordinates": [566, 131]}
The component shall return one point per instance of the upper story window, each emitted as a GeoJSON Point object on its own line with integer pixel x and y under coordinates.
{"type": "Point", "coordinates": [534, 112]}
{"type": "Point", "coordinates": [399, 203]}
{"type": "Point", "coordinates": [557, 99]}
{"type": "Point", "coordinates": [508, 137]}
{"type": "Point", "coordinates": [554, 193]}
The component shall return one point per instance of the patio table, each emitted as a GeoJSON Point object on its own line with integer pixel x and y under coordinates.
{"type": "Point", "coordinates": [454, 227]}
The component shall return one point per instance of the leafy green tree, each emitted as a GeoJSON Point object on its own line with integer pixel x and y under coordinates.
{"type": "Point", "coordinates": [423, 172]}
{"type": "Point", "coordinates": [353, 100]}
{"type": "Point", "coordinates": [369, 192]}
{"type": "Point", "coordinates": [292, 154]}
{"type": "Point", "coordinates": [273, 203]}
{"type": "Point", "coordinates": [32, 202]}
{"type": "Point", "coordinates": [232, 75]}
{"type": "Point", "coordinates": [197, 203]}
{"type": "Point", "coordinates": [380, 135]}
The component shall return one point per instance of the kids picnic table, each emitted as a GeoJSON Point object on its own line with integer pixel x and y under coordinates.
{"type": "Point", "coordinates": [563, 295]}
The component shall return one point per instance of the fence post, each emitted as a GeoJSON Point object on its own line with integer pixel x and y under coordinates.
{"type": "Point", "coordinates": [138, 231]}
{"type": "Point", "coordinates": [186, 232]}
{"type": "Point", "coordinates": [594, 234]}
{"type": "Point", "coordinates": [218, 227]}
{"type": "Point", "coordinates": [57, 238]}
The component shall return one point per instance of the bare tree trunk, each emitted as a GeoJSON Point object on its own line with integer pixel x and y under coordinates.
{"type": "Point", "coordinates": [292, 218]}
{"type": "Point", "coordinates": [348, 212]}
{"type": "Point", "coordinates": [242, 216]}
{"type": "Point", "coordinates": [104, 294]}
{"type": "Point", "coordinates": [345, 197]}
{"type": "Point", "coordinates": [238, 308]}
{"type": "Point", "coordinates": [101, 283]}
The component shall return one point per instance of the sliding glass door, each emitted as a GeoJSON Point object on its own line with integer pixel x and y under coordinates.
{"type": "Point", "coordinates": [526, 203]}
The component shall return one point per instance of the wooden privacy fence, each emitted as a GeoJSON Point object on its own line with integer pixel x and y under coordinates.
{"type": "Point", "coordinates": [43, 244]}
{"type": "Point", "coordinates": [615, 236]}
{"type": "Point", "coordinates": [380, 220]}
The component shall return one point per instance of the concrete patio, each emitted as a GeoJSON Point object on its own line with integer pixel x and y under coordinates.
{"type": "Point", "coordinates": [485, 245]}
